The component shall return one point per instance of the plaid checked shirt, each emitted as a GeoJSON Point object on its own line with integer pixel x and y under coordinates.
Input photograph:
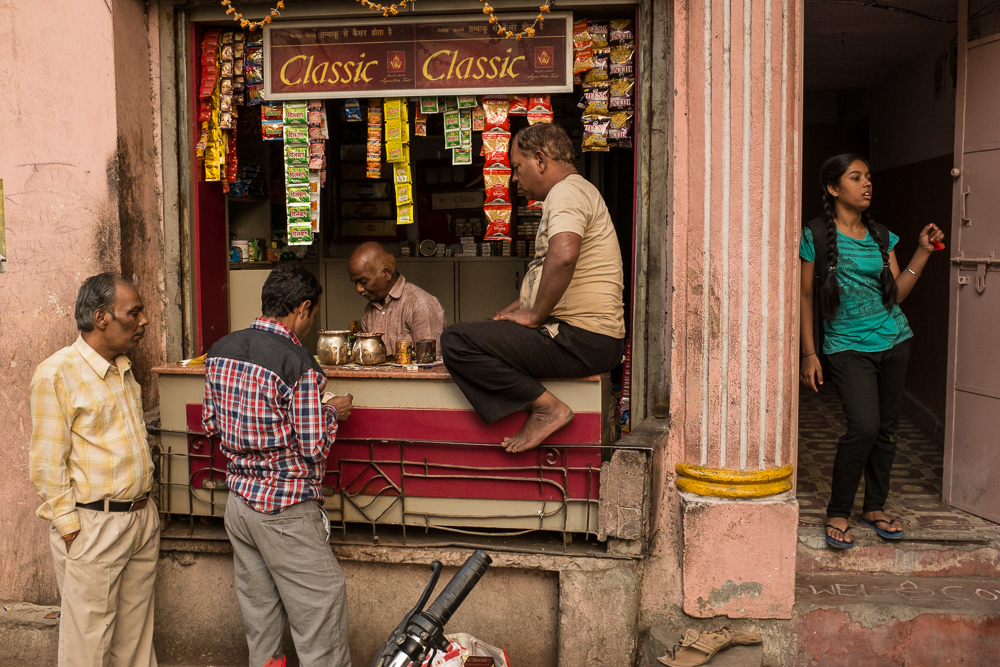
{"type": "Point", "coordinates": [276, 437]}
{"type": "Point", "coordinates": [88, 440]}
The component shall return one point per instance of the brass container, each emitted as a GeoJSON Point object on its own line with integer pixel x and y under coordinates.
{"type": "Point", "coordinates": [369, 350]}
{"type": "Point", "coordinates": [425, 351]}
{"type": "Point", "coordinates": [334, 348]}
{"type": "Point", "coordinates": [404, 352]}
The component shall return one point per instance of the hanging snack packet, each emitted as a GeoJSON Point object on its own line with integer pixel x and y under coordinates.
{"type": "Point", "coordinates": [496, 180]}
{"type": "Point", "coordinates": [466, 101]}
{"type": "Point", "coordinates": [495, 147]}
{"type": "Point", "coordinates": [254, 73]}
{"type": "Point", "coordinates": [461, 156]}
{"type": "Point", "coordinates": [420, 124]}
{"type": "Point", "coordinates": [596, 97]}
{"type": "Point", "coordinates": [452, 120]}
{"type": "Point", "coordinates": [401, 173]}
{"type": "Point", "coordinates": [465, 119]}
{"type": "Point", "coordinates": [255, 55]}
{"type": "Point", "coordinates": [621, 93]}
{"type": "Point", "coordinates": [404, 214]}
{"type": "Point", "coordinates": [518, 105]}
{"type": "Point", "coordinates": [540, 109]}
{"type": "Point", "coordinates": [373, 170]}
{"type": "Point", "coordinates": [296, 175]}
{"type": "Point", "coordinates": [297, 194]}
{"type": "Point", "coordinates": [295, 113]}
{"type": "Point", "coordinates": [600, 71]}
{"type": "Point", "coordinates": [450, 103]}
{"type": "Point", "coordinates": [296, 154]}
{"type": "Point", "coordinates": [622, 57]}
{"type": "Point", "coordinates": [298, 214]}
{"type": "Point", "coordinates": [393, 109]}
{"type": "Point", "coordinates": [465, 137]}
{"type": "Point", "coordinates": [535, 204]}
{"type": "Point", "coordinates": [352, 111]}
{"type": "Point", "coordinates": [620, 31]}
{"type": "Point", "coordinates": [300, 234]}
{"type": "Point", "coordinates": [255, 93]}
{"type": "Point", "coordinates": [404, 194]}
{"type": "Point", "coordinates": [598, 34]}
{"type": "Point", "coordinates": [478, 119]}
{"type": "Point", "coordinates": [619, 129]}
{"type": "Point", "coordinates": [595, 134]}
{"type": "Point", "coordinates": [453, 138]}
{"type": "Point", "coordinates": [496, 109]}
{"type": "Point", "coordinates": [499, 219]}
{"type": "Point", "coordinates": [273, 131]}
{"type": "Point", "coordinates": [393, 152]}
{"type": "Point", "coordinates": [296, 134]}
{"type": "Point", "coordinates": [583, 48]}
{"type": "Point", "coordinates": [429, 104]}
{"type": "Point", "coordinates": [374, 114]}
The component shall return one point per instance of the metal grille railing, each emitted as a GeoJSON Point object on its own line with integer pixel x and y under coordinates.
{"type": "Point", "coordinates": [984, 19]}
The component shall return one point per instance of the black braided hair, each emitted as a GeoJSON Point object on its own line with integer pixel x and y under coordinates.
{"type": "Point", "coordinates": [830, 291]}
{"type": "Point", "coordinates": [888, 281]}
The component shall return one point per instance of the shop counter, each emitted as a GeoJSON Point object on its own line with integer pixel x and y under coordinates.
{"type": "Point", "coordinates": [413, 453]}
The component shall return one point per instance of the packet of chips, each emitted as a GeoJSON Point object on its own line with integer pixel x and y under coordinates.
{"type": "Point", "coordinates": [478, 118]}
{"type": "Point", "coordinates": [496, 180]}
{"type": "Point", "coordinates": [496, 109]}
{"type": "Point", "coordinates": [374, 113]}
{"type": "Point", "coordinates": [621, 93]}
{"type": "Point", "coordinates": [518, 105]}
{"type": "Point", "coordinates": [429, 104]}
{"type": "Point", "coordinates": [499, 223]}
{"type": "Point", "coordinates": [619, 129]}
{"type": "Point", "coordinates": [598, 34]}
{"type": "Point", "coordinates": [540, 109]}
{"type": "Point", "coordinates": [274, 131]}
{"type": "Point", "coordinates": [373, 169]}
{"type": "Point", "coordinates": [620, 31]}
{"type": "Point", "coordinates": [622, 57]}
{"type": "Point", "coordinates": [495, 147]}
{"type": "Point", "coordinates": [595, 134]}
{"type": "Point", "coordinates": [596, 97]}
{"type": "Point", "coordinates": [300, 234]}
{"type": "Point", "coordinates": [352, 111]}
{"type": "Point", "coordinates": [583, 48]}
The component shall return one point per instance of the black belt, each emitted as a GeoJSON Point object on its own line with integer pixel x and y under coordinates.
{"type": "Point", "coordinates": [114, 506]}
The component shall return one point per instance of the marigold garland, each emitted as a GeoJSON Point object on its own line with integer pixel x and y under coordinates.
{"type": "Point", "coordinates": [386, 10]}
{"type": "Point", "coordinates": [247, 24]}
{"type": "Point", "coordinates": [507, 32]}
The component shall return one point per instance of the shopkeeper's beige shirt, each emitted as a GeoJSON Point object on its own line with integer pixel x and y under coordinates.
{"type": "Point", "coordinates": [408, 313]}
{"type": "Point", "coordinates": [593, 300]}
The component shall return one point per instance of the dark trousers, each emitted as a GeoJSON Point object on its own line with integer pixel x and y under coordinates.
{"type": "Point", "coordinates": [495, 363]}
{"type": "Point", "coordinates": [870, 386]}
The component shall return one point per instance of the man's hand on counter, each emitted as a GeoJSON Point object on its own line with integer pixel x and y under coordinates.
{"type": "Point", "coordinates": [343, 405]}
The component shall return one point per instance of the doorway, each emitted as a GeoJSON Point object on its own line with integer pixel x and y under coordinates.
{"type": "Point", "coordinates": [882, 82]}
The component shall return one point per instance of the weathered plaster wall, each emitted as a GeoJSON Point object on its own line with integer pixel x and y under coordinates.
{"type": "Point", "coordinates": [63, 188]}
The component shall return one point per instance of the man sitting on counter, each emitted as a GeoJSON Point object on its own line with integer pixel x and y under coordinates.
{"type": "Point", "coordinates": [396, 308]}
{"type": "Point", "coordinates": [569, 321]}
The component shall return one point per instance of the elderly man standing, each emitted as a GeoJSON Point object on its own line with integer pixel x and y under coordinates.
{"type": "Point", "coordinates": [264, 395]}
{"type": "Point", "coordinates": [569, 321]}
{"type": "Point", "coordinates": [90, 463]}
{"type": "Point", "coordinates": [396, 308]}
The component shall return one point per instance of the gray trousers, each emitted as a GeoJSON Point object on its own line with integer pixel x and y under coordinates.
{"type": "Point", "coordinates": [285, 569]}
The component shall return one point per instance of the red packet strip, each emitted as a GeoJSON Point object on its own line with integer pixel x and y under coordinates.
{"type": "Point", "coordinates": [499, 227]}
{"type": "Point", "coordinates": [495, 147]}
{"type": "Point", "coordinates": [496, 178]}
{"type": "Point", "coordinates": [496, 109]}
{"type": "Point", "coordinates": [518, 105]}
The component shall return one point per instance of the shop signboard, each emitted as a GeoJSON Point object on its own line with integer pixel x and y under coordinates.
{"type": "Point", "coordinates": [401, 57]}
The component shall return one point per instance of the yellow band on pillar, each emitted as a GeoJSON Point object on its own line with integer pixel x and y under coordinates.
{"type": "Point", "coordinates": [726, 483]}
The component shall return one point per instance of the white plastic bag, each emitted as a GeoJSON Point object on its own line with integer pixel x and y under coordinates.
{"type": "Point", "coordinates": [473, 646]}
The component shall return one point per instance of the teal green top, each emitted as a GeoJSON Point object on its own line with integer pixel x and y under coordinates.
{"type": "Point", "coordinates": [862, 322]}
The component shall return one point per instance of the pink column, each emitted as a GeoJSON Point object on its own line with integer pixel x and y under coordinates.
{"type": "Point", "coordinates": [736, 147]}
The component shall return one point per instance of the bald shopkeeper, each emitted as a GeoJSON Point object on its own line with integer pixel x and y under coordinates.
{"type": "Point", "coordinates": [397, 309]}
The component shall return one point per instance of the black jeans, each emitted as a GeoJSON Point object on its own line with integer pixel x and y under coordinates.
{"type": "Point", "coordinates": [870, 386]}
{"type": "Point", "coordinates": [495, 363]}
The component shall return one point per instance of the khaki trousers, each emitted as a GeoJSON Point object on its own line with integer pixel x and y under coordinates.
{"type": "Point", "coordinates": [106, 583]}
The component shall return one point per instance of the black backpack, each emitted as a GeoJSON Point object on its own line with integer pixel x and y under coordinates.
{"type": "Point", "coordinates": [817, 226]}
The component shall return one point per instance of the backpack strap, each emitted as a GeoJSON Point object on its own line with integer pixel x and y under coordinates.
{"type": "Point", "coordinates": [817, 227]}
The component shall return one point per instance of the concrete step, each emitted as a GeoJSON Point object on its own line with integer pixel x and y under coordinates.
{"type": "Point", "coordinates": [959, 554]}
{"type": "Point", "coordinates": [28, 638]}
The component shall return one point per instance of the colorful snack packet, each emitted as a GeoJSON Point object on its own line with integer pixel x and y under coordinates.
{"type": "Point", "coordinates": [296, 154]}
{"type": "Point", "coordinates": [465, 119]}
{"type": "Point", "coordinates": [401, 173]}
{"type": "Point", "coordinates": [352, 111]}
{"type": "Point", "coordinates": [621, 93]}
{"type": "Point", "coordinates": [496, 146]}
{"type": "Point", "coordinates": [453, 138]}
{"type": "Point", "coordinates": [461, 156]}
{"type": "Point", "coordinates": [404, 194]}
{"type": "Point", "coordinates": [596, 96]}
{"type": "Point", "coordinates": [518, 105]}
{"type": "Point", "coordinates": [420, 124]}
{"type": "Point", "coordinates": [540, 109]}
{"type": "Point", "coordinates": [296, 175]}
{"type": "Point", "coordinates": [622, 58]}
{"type": "Point", "coordinates": [404, 214]}
{"type": "Point", "coordinates": [598, 34]}
{"type": "Point", "coordinates": [297, 194]}
{"type": "Point", "coordinates": [478, 119]}
{"type": "Point", "coordinates": [496, 180]}
{"type": "Point", "coordinates": [271, 112]}
{"type": "Point", "coordinates": [374, 114]}
{"type": "Point", "coordinates": [272, 131]}
{"type": "Point", "coordinates": [298, 213]}
{"type": "Point", "coordinates": [466, 138]}
{"type": "Point", "coordinates": [296, 134]}
{"type": "Point", "coordinates": [499, 219]}
{"type": "Point", "coordinates": [295, 113]}
{"type": "Point", "coordinates": [620, 31]}
{"type": "Point", "coordinates": [373, 169]}
{"type": "Point", "coordinates": [620, 125]}
{"type": "Point", "coordinates": [394, 152]}
{"type": "Point", "coordinates": [429, 104]}
{"type": "Point", "coordinates": [300, 234]}
{"type": "Point", "coordinates": [496, 110]}
{"type": "Point", "coordinates": [450, 103]}
{"type": "Point", "coordinates": [254, 73]}
{"type": "Point", "coordinates": [255, 94]}
{"type": "Point", "coordinates": [466, 101]}
{"type": "Point", "coordinates": [595, 134]}
{"type": "Point", "coordinates": [583, 48]}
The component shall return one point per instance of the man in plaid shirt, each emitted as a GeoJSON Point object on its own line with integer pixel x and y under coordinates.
{"type": "Point", "coordinates": [264, 396]}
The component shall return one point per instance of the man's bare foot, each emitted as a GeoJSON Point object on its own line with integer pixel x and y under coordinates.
{"type": "Point", "coordinates": [838, 529]}
{"type": "Point", "coordinates": [548, 415]}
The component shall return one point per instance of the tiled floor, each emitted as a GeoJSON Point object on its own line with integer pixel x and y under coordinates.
{"type": "Point", "coordinates": [915, 487]}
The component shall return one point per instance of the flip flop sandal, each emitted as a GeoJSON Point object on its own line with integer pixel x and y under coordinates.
{"type": "Point", "coordinates": [882, 532]}
{"type": "Point", "coordinates": [839, 544]}
{"type": "Point", "coordinates": [697, 648]}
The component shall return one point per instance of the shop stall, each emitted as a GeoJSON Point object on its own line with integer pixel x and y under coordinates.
{"type": "Point", "coordinates": [315, 136]}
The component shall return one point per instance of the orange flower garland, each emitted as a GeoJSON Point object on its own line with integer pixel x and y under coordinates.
{"type": "Point", "coordinates": [507, 32]}
{"type": "Point", "coordinates": [247, 24]}
{"type": "Point", "coordinates": [386, 10]}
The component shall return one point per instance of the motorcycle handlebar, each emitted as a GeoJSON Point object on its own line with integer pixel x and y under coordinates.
{"type": "Point", "coordinates": [458, 588]}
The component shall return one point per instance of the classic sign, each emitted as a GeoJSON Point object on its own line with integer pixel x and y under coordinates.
{"type": "Point", "coordinates": [428, 56]}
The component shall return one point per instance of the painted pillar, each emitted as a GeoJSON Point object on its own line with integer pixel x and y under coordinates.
{"type": "Point", "coordinates": [736, 140]}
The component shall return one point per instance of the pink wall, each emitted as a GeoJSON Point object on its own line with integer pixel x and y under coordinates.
{"type": "Point", "coordinates": [59, 160]}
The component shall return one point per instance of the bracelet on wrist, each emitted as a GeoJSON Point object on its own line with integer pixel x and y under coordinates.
{"type": "Point", "coordinates": [806, 355]}
{"type": "Point", "coordinates": [913, 272]}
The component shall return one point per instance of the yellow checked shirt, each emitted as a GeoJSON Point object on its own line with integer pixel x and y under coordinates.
{"type": "Point", "coordinates": [88, 440]}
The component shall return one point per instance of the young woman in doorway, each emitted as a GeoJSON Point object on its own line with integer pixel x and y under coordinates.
{"type": "Point", "coordinates": [865, 337]}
